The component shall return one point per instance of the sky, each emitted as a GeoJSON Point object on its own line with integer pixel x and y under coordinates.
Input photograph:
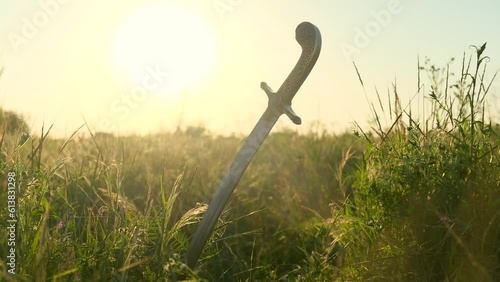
{"type": "Point", "coordinates": [150, 66]}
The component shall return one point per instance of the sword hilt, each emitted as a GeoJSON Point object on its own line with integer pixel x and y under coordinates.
{"type": "Point", "coordinates": [309, 38]}
{"type": "Point", "coordinates": [275, 102]}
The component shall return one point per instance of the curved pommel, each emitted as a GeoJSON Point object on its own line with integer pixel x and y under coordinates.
{"type": "Point", "coordinates": [309, 38]}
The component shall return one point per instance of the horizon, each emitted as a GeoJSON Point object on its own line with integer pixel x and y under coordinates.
{"type": "Point", "coordinates": [79, 62]}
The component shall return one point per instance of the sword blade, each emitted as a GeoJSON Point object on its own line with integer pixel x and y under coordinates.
{"type": "Point", "coordinates": [229, 182]}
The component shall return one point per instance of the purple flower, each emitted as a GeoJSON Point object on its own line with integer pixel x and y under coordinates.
{"type": "Point", "coordinates": [444, 218]}
{"type": "Point", "coordinates": [61, 224]}
{"type": "Point", "coordinates": [100, 212]}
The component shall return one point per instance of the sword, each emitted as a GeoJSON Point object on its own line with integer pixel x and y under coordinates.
{"type": "Point", "coordinates": [309, 38]}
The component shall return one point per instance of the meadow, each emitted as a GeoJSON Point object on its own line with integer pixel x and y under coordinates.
{"type": "Point", "coordinates": [414, 199]}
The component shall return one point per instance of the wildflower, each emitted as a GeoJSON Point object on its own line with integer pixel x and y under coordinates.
{"type": "Point", "coordinates": [444, 218]}
{"type": "Point", "coordinates": [61, 224]}
{"type": "Point", "coordinates": [100, 212]}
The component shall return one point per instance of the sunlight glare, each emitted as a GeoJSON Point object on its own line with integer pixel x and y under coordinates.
{"type": "Point", "coordinates": [167, 38]}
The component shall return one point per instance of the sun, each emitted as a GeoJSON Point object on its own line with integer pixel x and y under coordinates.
{"type": "Point", "coordinates": [164, 42]}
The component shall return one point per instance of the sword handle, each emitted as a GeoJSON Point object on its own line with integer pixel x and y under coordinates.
{"type": "Point", "coordinates": [309, 38]}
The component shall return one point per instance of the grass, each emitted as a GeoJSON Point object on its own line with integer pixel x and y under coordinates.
{"type": "Point", "coordinates": [107, 208]}
{"type": "Point", "coordinates": [414, 199]}
{"type": "Point", "coordinates": [427, 193]}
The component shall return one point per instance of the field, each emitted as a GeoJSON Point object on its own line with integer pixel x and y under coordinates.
{"type": "Point", "coordinates": [416, 200]}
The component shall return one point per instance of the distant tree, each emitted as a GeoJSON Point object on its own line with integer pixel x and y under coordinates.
{"type": "Point", "coordinates": [103, 135]}
{"type": "Point", "coordinates": [12, 122]}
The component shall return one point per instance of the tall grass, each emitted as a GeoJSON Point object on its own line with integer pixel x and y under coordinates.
{"type": "Point", "coordinates": [76, 222]}
{"type": "Point", "coordinates": [427, 193]}
{"type": "Point", "coordinates": [106, 208]}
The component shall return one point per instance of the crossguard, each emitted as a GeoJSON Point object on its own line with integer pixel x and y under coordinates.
{"type": "Point", "coordinates": [309, 38]}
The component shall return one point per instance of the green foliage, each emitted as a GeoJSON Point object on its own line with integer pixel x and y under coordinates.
{"type": "Point", "coordinates": [12, 122]}
{"type": "Point", "coordinates": [427, 194]}
{"type": "Point", "coordinates": [106, 208]}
